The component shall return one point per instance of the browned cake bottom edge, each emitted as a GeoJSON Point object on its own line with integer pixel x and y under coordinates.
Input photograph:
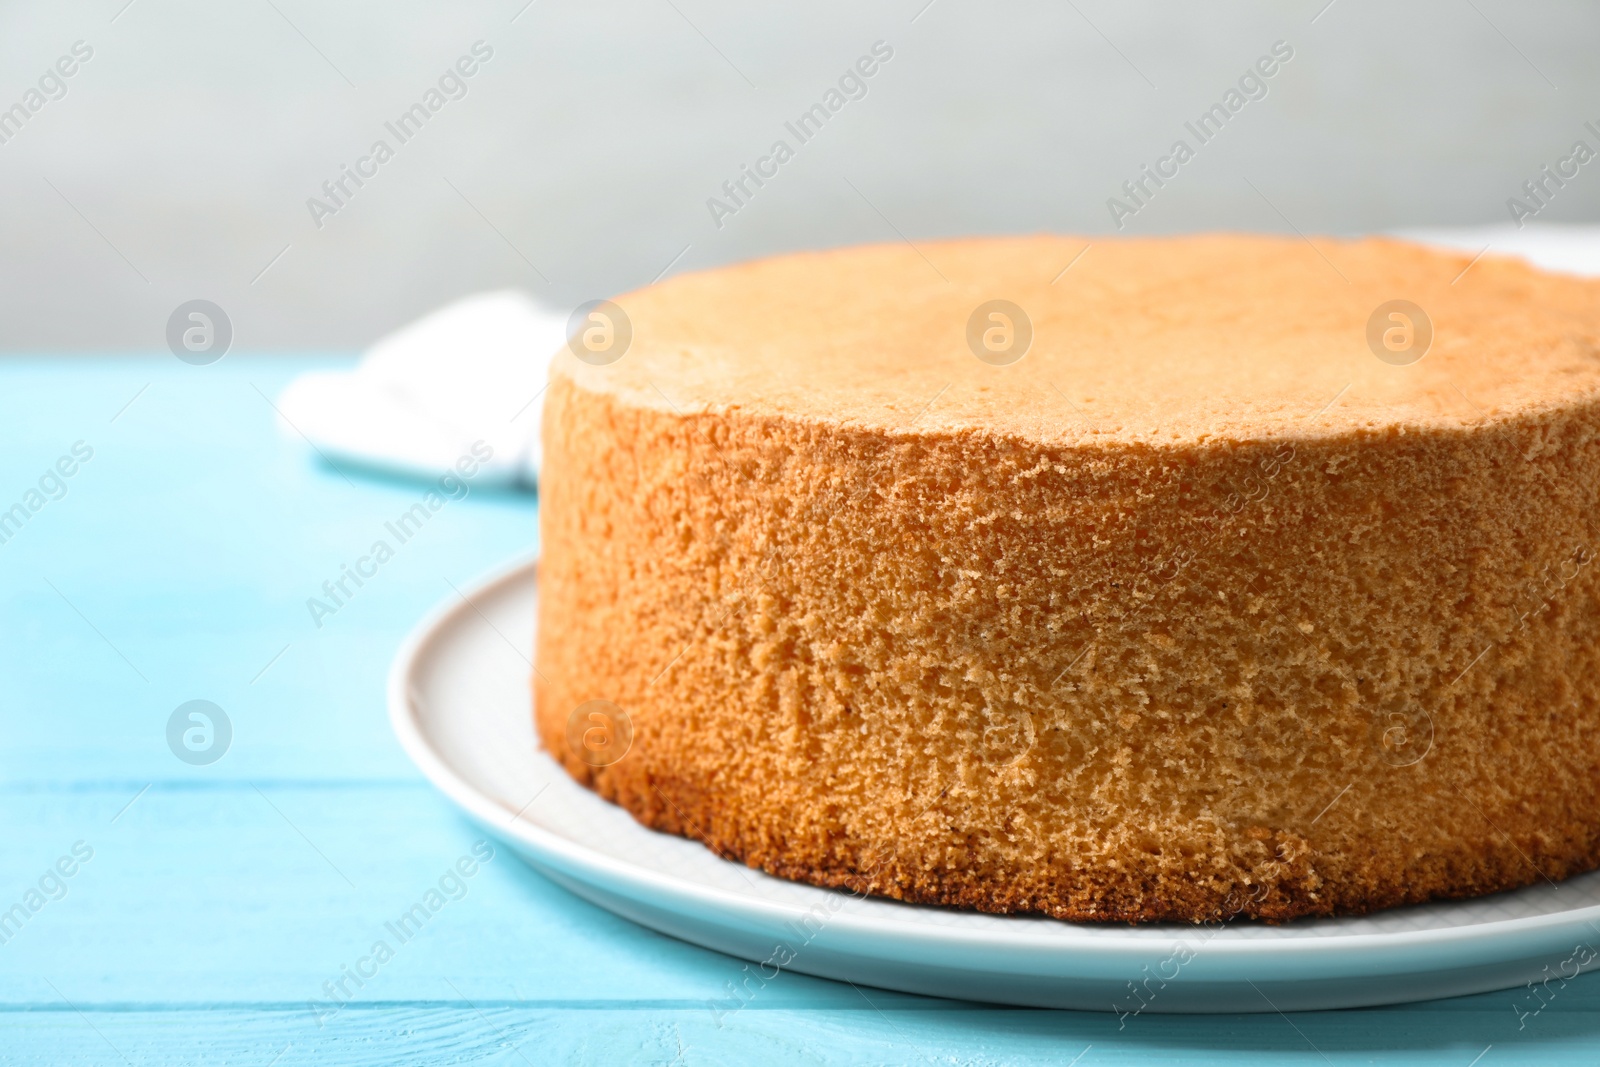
{"type": "Point", "coordinates": [1099, 897]}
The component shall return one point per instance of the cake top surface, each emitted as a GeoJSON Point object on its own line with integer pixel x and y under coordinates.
{"type": "Point", "coordinates": [1159, 340]}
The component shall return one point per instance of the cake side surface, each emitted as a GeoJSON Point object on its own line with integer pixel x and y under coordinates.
{"type": "Point", "coordinates": [1310, 669]}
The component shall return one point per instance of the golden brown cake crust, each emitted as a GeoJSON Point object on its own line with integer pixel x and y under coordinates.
{"type": "Point", "coordinates": [1127, 630]}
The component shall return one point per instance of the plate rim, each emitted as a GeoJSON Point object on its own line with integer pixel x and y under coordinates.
{"type": "Point", "coordinates": [576, 860]}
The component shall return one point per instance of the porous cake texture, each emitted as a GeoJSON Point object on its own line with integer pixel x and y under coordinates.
{"type": "Point", "coordinates": [1208, 605]}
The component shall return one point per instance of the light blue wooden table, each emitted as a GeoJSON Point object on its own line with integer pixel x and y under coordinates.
{"type": "Point", "coordinates": [174, 565]}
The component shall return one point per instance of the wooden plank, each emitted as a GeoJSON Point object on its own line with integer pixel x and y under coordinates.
{"type": "Point", "coordinates": [178, 565]}
{"type": "Point", "coordinates": [297, 882]}
{"type": "Point", "coordinates": [483, 1032]}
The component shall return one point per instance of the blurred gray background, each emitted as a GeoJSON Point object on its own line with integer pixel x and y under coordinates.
{"type": "Point", "coordinates": [179, 161]}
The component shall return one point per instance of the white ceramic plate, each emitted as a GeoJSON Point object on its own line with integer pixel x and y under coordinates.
{"type": "Point", "coordinates": [459, 699]}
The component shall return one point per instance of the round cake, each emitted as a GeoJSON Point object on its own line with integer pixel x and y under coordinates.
{"type": "Point", "coordinates": [1169, 579]}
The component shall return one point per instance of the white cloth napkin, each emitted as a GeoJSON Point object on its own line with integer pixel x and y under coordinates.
{"type": "Point", "coordinates": [1568, 249]}
{"type": "Point", "coordinates": [472, 371]}
{"type": "Point", "coordinates": [475, 370]}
